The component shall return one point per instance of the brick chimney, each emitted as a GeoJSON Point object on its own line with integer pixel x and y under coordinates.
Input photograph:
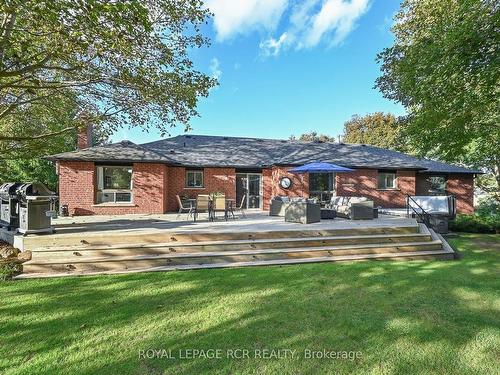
{"type": "Point", "coordinates": [84, 137]}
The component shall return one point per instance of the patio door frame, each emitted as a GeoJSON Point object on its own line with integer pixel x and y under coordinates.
{"type": "Point", "coordinates": [261, 190]}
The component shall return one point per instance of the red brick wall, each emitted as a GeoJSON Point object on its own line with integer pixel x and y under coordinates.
{"type": "Point", "coordinates": [462, 187]}
{"type": "Point", "coordinates": [77, 189]}
{"type": "Point", "coordinates": [300, 183]}
{"type": "Point", "coordinates": [267, 187]}
{"type": "Point", "coordinates": [76, 186]}
{"type": "Point", "coordinates": [459, 185]}
{"type": "Point", "coordinates": [214, 179]}
{"type": "Point", "coordinates": [155, 187]}
{"type": "Point", "coordinates": [363, 183]}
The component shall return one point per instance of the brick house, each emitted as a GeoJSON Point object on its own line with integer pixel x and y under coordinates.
{"type": "Point", "coordinates": [124, 177]}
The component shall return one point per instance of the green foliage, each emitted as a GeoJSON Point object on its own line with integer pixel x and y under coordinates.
{"type": "Point", "coordinates": [444, 68]}
{"type": "Point", "coordinates": [488, 207]}
{"type": "Point", "coordinates": [313, 137]}
{"type": "Point", "coordinates": [474, 224]}
{"type": "Point", "coordinates": [126, 61]}
{"type": "Point", "coordinates": [486, 219]}
{"type": "Point", "coordinates": [9, 268]}
{"type": "Point", "coordinates": [20, 159]}
{"type": "Point", "coordinates": [377, 129]}
{"type": "Point", "coordinates": [29, 170]}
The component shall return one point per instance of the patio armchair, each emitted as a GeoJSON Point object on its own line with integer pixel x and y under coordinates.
{"type": "Point", "coordinates": [240, 208]}
{"type": "Point", "coordinates": [184, 207]}
{"type": "Point", "coordinates": [354, 208]}
{"type": "Point", "coordinates": [278, 206]}
{"type": "Point", "coordinates": [202, 205]}
{"type": "Point", "coordinates": [304, 212]}
{"type": "Point", "coordinates": [219, 204]}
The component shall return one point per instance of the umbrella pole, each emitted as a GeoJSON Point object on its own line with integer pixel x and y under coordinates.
{"type": "Point", "coordinates": [302, 179]}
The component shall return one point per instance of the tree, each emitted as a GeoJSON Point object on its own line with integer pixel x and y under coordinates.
{"type": "Point", "coordinates": [313, 137]}
{"type": "Point", "coordinates": [20, 159]}
{"type": "Point", "coordinates": [126, 61]}
{"type": "Point", "coordinates": [444, 68]}
{"type": "Point", "coordinates": [378, 129]}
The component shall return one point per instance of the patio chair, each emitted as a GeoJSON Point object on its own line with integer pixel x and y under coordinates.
{"type": "Point", "coordinates": [219, 205]}
{"type": "Point", "coordinates": [303, 212]}
{"type": "Point", "coordinates": [202, 205]}
{"type": "Point", "coordinates": [240, 207]}
{"type": "Point", "coordinates": [184, 207]}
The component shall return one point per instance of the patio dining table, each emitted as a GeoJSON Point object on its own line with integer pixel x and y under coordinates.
{"type": "Point", "coordinates": [229, 205]}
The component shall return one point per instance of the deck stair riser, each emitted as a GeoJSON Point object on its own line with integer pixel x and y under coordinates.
{"type": "Point", "coordinates": [211, 246]}
{"type": "Point", "coordinates": [35, 242]}
{"type": "Point", "coordinates": [138, 262]}
{"type": "Point", "coordinates": [419, 255]}
{"type": "Point", "coordinates": [184, 251]}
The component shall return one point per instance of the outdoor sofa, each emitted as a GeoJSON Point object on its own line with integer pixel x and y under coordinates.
{"type": "Point", "coordinates": [354, 208]}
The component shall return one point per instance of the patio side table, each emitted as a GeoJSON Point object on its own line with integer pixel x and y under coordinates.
{"type": "Point", "coordinates": [328, 214]}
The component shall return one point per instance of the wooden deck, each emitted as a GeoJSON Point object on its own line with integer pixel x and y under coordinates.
{"type": "Point", "coordinates": [139, 243]}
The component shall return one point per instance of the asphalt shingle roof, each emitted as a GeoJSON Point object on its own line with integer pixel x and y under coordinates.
{"type": "Point", "coordinates": [239, 152]}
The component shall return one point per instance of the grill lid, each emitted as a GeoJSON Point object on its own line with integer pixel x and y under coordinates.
{"type": "Point", "coordinates": [9, 189]}
{"type": "Point", "coordinates": [35, 189]}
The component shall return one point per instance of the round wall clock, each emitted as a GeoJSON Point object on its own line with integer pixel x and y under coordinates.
{"type": "Point", "coordinates": [285, 183]}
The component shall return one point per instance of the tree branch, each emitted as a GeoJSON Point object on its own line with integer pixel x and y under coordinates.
{"type": "Point", "coordinates": [26, 69]}
{"type": "Point", "coordinates": [41, 136]}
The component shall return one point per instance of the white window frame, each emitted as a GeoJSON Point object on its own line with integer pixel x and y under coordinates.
{"type": "Point", "coordinates": [195, 186]}
{"type": "Point", "coordinates": [113, 192]}
{"type": "Point", "coordinates": [387, 174]}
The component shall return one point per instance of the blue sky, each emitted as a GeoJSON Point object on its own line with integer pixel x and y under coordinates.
{"type": "Point", "coordinates": [289, 67]}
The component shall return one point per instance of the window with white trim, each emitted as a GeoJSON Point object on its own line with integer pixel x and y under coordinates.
{"type": "Point", "coordinates": [114, 184]}
{"type": "Point", "coordinates": [386, 180]}
{"type": "Point", "coordinates": [194, 179]}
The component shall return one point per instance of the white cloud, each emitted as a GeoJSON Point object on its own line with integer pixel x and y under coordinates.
{"type": "Point", "coordinates": [215, 68]}
{"type": "Point", "coordinates": [232, 17]}
{"type": "Point", "coordinates": [335, 20]}
{"type": "Point", "coordinates": [311, 22]}
{"type": "Point", "coordinates": [271, 46]}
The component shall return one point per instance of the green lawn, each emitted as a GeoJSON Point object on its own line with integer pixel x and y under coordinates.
{"type": "Point", "coordinates": [404, 317]}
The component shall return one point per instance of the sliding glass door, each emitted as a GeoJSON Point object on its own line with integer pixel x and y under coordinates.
{"type": "Point", "coordinates": [250, 186]}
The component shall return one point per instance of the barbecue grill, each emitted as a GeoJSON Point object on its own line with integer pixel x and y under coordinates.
{"type": "Point", "coordinates": [9, 216]}
{"type": "Point", "coordinates": [36, 207]}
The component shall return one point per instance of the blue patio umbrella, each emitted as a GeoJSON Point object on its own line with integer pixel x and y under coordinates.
{"type": "Point", "coordinates": [319, 167]}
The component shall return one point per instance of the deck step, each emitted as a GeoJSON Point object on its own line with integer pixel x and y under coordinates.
{"type": "Point", "coordinates": [411, 255]}
{"type": "Point", "coordinates": [140, 261]}
{"type": "Point", "coordinates": [209, 246]}
{"type": "Point", "coordinates": [163, 236]}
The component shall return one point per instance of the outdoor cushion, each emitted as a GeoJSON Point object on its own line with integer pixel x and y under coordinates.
{"type": "Point", "coordinates": [343, 209]}
{"type": "Point", "coordinates": [357, 200]}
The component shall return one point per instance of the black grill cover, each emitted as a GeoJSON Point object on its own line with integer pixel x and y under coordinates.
{"type": "Point", "coordinates": [34, 189]}
{"type": "Point", "coordinates": [8, 190]}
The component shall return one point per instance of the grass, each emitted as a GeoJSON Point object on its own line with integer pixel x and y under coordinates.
{"type": "Point", "coordinates": [404, 317]}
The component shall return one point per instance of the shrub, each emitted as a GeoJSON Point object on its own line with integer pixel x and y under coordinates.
{"type": "Point", "coordinates": [488, 207]}
{"type": "Point", "coordinates": [475, 224]}
{"type": "Point", "coordinates": [486, 219]}
{"type": "Point", "coordinates": [9, 268]}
